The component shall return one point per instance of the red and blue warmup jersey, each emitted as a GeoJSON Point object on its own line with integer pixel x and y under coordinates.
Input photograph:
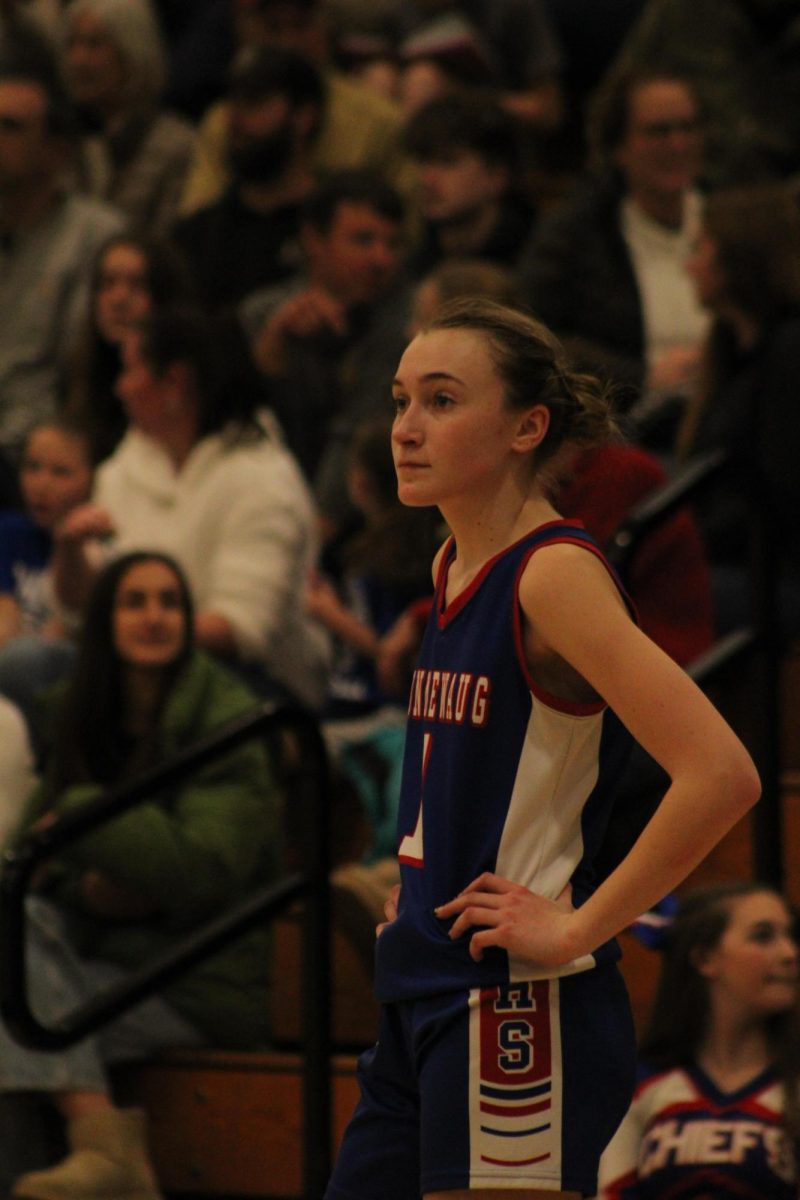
{"type": "Point", "coordinates": [498, 776]}
{"type": "Point", "coordinates": [683, 1139]}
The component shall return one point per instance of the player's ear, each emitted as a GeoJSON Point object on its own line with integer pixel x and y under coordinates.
{"type": "Point", "coordinates": [532, 429]}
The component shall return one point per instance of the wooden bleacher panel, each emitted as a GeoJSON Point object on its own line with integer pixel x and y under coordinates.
{"type": "Point", "coordinates": [230, 1124]}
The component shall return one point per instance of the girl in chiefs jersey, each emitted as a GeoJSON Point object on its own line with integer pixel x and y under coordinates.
{"type": "Point", "coordinates": [505, 1056]}
{"type": "Point", "coordinates": [716, 1106]}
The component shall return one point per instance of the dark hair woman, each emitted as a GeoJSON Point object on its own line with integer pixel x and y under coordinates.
{"type": "Point", "coordinates": [134, 275]}
{"type": "Point", "coordinates": [203, 475]}
{"type": "Point", "coordinates": [140, 693]}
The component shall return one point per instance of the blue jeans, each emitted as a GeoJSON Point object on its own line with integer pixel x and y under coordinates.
{"type": "Point", "coordinates": [30, 664]}
{"type": "Point", "coordinates": [58, 981]}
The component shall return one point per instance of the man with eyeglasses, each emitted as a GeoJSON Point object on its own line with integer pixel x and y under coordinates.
{"type": "Point", "coordinates": [48, 239]}
{"type": "Point", "coordinates": [747, 54]}
{"type": "Point", "coordinates": [606, 268]}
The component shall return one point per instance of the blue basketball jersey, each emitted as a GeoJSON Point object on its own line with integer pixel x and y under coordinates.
{"type": "Point", "coordinates": [498, 776]}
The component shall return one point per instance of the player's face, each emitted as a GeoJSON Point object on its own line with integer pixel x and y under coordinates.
{"type": "Point", "coordinates": [454, 434]}
{"type": "Point", "coordinates": [753, 971]}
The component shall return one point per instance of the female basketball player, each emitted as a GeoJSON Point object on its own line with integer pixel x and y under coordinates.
{"type": "Point", "coordinates": [505, 1057]}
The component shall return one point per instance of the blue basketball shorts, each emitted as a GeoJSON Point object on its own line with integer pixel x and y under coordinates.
{"type": "Point", "coordinates": [517, 1086]}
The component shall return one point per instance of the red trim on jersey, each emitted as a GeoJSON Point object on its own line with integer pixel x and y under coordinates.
{"type": "Point", "coordinates": [510, 1162]}
{"type": "Point", "coordinates": [518, 1110]}
{"type": "Point", "coordinates": [647, 1082]}
{"type": "Point", "coordinates": [446, 612]}
{"type": "Point", "coordinates": [558, 703]}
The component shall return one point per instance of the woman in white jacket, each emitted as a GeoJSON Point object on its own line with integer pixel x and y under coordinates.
{"type": "Point", "coordinates": [203, 476]}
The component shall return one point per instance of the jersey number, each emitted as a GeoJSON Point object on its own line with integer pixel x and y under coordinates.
{"type": "Point", "coordinates": [410, 851]}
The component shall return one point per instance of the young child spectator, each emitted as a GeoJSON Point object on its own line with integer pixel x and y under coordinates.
{"type": "Point", "coordinates": [715, 1111]}
{"type": "Point", "coordinates": [55, 476]}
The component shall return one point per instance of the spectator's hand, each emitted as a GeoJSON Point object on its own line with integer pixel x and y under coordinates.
{"type": "Point", "coordinates": [675, 369]}
{"type": "Point", "coordinates": [42, 872]}
{"type": "Point", "coordinates": [84, 522]}
{"type": "Point", "coordinates": [397, 651]}
{"type": "Point", "coordinates": [389, 909]}
{"type": "Point", "coordinates": [302, 316]}
{"type": "Point", "coordinates": [321, 599]}
{"type": "Point", "coordinates": [103, 898]}
{"type": "Point", "coordinates": [53, 630]}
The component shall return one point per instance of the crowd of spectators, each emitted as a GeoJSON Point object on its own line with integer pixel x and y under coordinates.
{"type": "Point", "coordinates": [221, 222]}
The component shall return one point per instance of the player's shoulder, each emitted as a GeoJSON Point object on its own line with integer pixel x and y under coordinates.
{"type": "Point", "coordinates": [563, 563]}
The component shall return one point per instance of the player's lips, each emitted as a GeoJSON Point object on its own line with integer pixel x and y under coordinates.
{"type": "Point", "coordinates": [407, 465]}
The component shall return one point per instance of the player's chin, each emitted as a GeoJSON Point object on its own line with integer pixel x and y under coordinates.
{"type": "Point", "coordinates": [414, 496]}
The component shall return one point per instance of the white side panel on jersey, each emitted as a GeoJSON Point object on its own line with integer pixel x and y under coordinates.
{"type": "Point", "coordinates": [542, 841]}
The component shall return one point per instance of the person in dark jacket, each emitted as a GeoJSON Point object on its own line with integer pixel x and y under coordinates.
{"type": "Point", "coordinates": [605, 268]}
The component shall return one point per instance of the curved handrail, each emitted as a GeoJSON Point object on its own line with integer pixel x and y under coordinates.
{"type": "Point", "coordinates": [660, 504]}
{"type": "Point", "coordinates": [20, 862]}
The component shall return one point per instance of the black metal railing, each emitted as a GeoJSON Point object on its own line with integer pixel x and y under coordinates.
{"type": "Point", "coordinates": [754, 647]}
{"type": "Point", "coordinates": [309, 781]}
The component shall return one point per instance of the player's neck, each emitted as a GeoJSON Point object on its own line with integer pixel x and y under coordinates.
{"type": "Point", "coordinates": [484, 530]}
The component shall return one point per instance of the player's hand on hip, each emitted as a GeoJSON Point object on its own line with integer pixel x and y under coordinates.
{"type": "Point", "coordinates": [389, 909]}
{"type": "Point", "coordinates": [510, 916]}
